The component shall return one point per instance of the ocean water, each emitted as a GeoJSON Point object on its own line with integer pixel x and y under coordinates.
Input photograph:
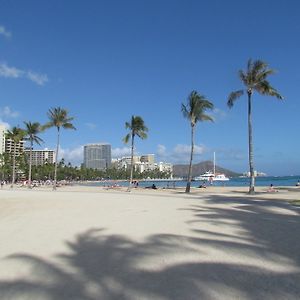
{"type": "Point", "coordinates": [259, 181]}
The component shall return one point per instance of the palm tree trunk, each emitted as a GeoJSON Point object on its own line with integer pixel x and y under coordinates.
{"type": "Point", "coordinates": [251, 164]}
{"type": "Point", "coordinates": [30, 164]}
{"type": "Point", "coordinates": [188, 184]}
{"type": "Point", "coordinates": [131, 170]}
{"type": "Point", "coordinates": [56, 157]}
{"type": "Point", "coordinates": [14, 167]}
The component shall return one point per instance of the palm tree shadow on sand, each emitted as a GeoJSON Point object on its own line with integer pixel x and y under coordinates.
{"type": "Point", "coordinates": [101, 266]}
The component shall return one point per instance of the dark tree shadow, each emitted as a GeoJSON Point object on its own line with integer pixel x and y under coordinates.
{"type": "Point", "coordinates": [100, 266]}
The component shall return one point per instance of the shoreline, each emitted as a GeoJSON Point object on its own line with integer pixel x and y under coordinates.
{"type": "Point", "coordinates": [285, 193]}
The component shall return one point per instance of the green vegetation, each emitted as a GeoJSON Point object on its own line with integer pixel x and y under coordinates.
{"type": "Point", "coordinates": [194, 111]}
{"type": "Point", "coordinates": [69, 172]}
{"type": "Point", "coordinates": [254, 79]}
{"type": "Point", "coordinates": [138, 128]}
{"type": "Point", "coordinates": [32, 131]}
{"type": "Point", "coordinates": [58, 117]}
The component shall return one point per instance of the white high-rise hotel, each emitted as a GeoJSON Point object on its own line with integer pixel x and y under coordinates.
{"type": "Point", "coordinates": [2, 139]}
{"type": "Point", "coordinates": [8, 145]}
{"type": "Point", "coordinates": [97, 156]}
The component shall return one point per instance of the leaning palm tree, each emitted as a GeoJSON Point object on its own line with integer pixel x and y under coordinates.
{"type": "Point", "coordinates": [32, 131]}
{"type": "Point", "coordinates": [254, 78]}
{"type": "Point", "coordinates": [138, 128]}
{"type": "Point", "coordinates": [194, 111]}
{"type": "Point", "coordinates": [58, 117]}
{"type": "Point", "coordinates": [16, 135]}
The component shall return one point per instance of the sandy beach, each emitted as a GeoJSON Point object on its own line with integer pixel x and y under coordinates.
{"type": "Point", "coordinates": [92, 243]}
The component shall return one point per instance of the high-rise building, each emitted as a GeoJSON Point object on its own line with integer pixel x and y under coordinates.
{"type": "Point", "coordinates": [41, 157]}
{"type": "Point", "coordinates": [2, 138]}
{"type": "Point", "coordinates": [97, 156]}
{"type": "Point", "coordinates": [10, 146]}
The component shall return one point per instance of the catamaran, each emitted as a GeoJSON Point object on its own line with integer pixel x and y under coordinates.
{"type": "Point", "coordinates": [212, 176]}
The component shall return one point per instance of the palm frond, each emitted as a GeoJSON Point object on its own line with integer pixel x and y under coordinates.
{"type": "Point", "coordinates": [127, 138]}
{"type": "Point", "coordinates": [141, 134]}
{"type": "Point", "coordinates": [205, 117]}
{"type": "Point", "coordinates": [265, 88]}
{"type": "Point", "coordinates": [185, 111]}
{"type": "Point", "coordinates": [195, 108]}
{"type": "Point", "coordinates": [68, 126]}
{"type": "Point", "coordinates": [233, 96]}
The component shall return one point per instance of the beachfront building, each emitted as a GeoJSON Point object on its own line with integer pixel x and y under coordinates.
{"type": "Point", "coordinates": [142, 163]}
{"type": "Point", "coordinates": [41, 157]}
{"type": "Point", "coordinates": [165, 167]}
{"type": "Point", "coordinates": [97, 156]}
{"type": "Point", "coordinates": [2, 138]}
{"type": "Point", "coordinates": [10, 146]}
{"type": "Point", "coordinates": [148, 158]}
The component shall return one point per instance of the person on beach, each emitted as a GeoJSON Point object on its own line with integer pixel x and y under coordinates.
{"type": "Point", "coordinates": [271, 189]}
{"type": "Point", "coordinates": [153, 187]}
{"type": "Point", "coordinates": [298, 183]}
{"type": "Point", "coordinates": [203, 185]}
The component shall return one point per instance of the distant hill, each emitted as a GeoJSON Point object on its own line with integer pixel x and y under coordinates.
{"type": "Point", "coordinates": [200, 168]}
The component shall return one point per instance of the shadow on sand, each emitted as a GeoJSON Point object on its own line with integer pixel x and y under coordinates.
{"type": "Point", "coordinates": [99, 266]}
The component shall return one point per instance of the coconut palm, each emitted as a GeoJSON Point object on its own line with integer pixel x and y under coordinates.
{"type": "Point", "coordinates": [254, 78]}
{"type": "Point", "coordinates": [32, 131]}
{"type": "Point", "coordinates": [137, 128]}
{"type": "Point", "coordinates": [58, 117]}
{"type": "Point", "coordinates": [16, 135]}
{"type": "Point", "coordinates": [194, 111]}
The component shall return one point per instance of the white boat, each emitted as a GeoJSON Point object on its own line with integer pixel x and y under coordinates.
{"type": "Point", "coordinates": [208, 176]}
{"type": "Point", "coordinates": [212, 176]}
{"type": "Point", "coordinates": [220, 177]}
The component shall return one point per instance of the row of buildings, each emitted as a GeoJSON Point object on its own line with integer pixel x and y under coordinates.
{"type": "Point", "coordinates": [95, 156]}
{"type": "Point", "coordinates": [98, 156]}
{"type": "Point", "coordinates": [39, 157]}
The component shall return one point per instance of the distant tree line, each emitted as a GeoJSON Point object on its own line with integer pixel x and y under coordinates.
{"type": "Point", "coordinates": [69, 172]}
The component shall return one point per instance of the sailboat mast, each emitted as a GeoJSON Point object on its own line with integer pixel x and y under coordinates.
{"type": "Point", "coordinates": [215, 163]}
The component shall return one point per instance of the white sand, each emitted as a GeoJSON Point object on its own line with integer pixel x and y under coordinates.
{"type": "Point", "coordinates": [91, 243]}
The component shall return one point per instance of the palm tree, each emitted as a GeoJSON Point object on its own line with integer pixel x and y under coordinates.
{"type": "Point", "coordinates": [138, 128]}
{"type": "Point", "coordinates": [254, 78]}
{"type": "Point", "coordinates": [16, 135]}
{"type": "Point", "coordinates": [58, 118]}
{"type": "Point", "coordinates": [32, 131]}
{"type": "Point", "coordinates": [194, 111]}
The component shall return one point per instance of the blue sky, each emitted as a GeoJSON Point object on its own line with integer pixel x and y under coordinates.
{"type": "Point", "coordinates": [107, 60]}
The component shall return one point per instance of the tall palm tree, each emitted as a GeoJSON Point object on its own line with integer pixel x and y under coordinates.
{"type": "Point", "coordinates": [58, 117]}
{"type": "Point", "coordinates": [194, 111]}
{"type": "Point", "coordinates": [16, 135]}
{"type": "Point", "coordinates": [254, 78]}
{"type": "Point", "coordinates": [138, 128]}
{"type": "Point", "coordinates": [32, 131]}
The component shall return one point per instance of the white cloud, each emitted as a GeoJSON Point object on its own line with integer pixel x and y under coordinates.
{"type": "Point", "coordinates": [5, 32]}
{"type": "Point", "coordinates": [5, 124]}
{"type": "Point", "coordinates": [91, 126]}
{"type": "Point", "coordinates": [179, 154]}
{"type": "Point", "coordinates": [218, 114]}
{"type": "Point", "coordinates": [39, 79]}
{"type": "Point", "coordinates": [181, 149]}
{"type": "Point", "coordinates": [8, 113]}
{"type": "Point", "coordinates": [74, 156]}
{"type": "Point", "coordinates": [119, 152]}
{"type": "Point", "coordinates": [161, 150]}
{"type": "Point", "coordinates": [12, 72]}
